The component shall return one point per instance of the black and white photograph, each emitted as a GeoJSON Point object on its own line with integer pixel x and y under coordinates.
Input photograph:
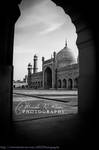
{"type": "Point", "coordinates": [47, 76]}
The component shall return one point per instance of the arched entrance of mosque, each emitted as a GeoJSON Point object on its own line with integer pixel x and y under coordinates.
{"type": "Point", "coordinates": [76, 83]}
{"type": "Point", "coordinates": [70, 83]}
{"type": "Point", "coordinates": [59, 83]}
{"type": "Point", "coordinates": [48, 78]}
{"type": "Point", "coordinates": [64, 83]}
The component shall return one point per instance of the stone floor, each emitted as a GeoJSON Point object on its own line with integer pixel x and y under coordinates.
{"type": "Point", "coordinates": [44, 92]}
{"type": "Point", "coordinates": [69, 129]}
{"type": "Point", "coordinates": [50, 104]}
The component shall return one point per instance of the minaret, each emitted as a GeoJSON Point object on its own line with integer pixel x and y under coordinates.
{"type": "Point", "coordinates": [35, 64]}
{"type": "Point", "coordinates": [42, 62]}
{"type": "Point", "coordinates": [54, 55]}
{"type": "Point", "coordinates": [29, 74]}
{"type": "Point", "coordinates": [29, 69]}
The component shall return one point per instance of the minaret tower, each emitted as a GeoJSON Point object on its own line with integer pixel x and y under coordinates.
{"type": "Point", "coordinates": [42, 62]}
{"type": "Point", "coordinates": [35, 64]}
{"type": "Point", "coordinates": [29, 74]}
{"type": "Point", "coordinates": [54, 55]}
{"type": "Point", "coordinates": [29, 69]}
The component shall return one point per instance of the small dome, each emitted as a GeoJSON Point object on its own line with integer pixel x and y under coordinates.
{"type": "Point", "coordinates": [65, 57]}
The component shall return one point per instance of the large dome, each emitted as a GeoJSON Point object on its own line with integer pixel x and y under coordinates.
{"type": "Point", "coordinates": [65, 57]}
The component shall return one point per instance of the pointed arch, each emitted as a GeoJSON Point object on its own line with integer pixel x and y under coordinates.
{"type": "Point", "coordinates": [59, 83]}
{"type": "Point", "coordinates": [64, 83]}
{"type": "Point", "coordinates": [48, 78]}
{"type": "Point", "coordinates": [76, 83]}
{"type": "Point", "coordinates": [70, 83]}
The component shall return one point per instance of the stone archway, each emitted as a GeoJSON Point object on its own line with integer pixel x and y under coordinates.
{"type": "Point", "coordinates": [86, 47]}
{"type": "Point", "coordinates": [70, 84]}
{"type": "Point", "coordinates": [48, 78]}
{"type": "Point", "coordinates": [41, 83]}
{"type": "Point", "coordinates": [76, 83]}
{"type": "Point", "coordinates": [59, 83]}
{"type": "Point", "coordinates": [64, 83]}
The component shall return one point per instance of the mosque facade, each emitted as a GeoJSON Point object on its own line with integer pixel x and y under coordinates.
{"type": "Point", "coordinates": [59, 72]}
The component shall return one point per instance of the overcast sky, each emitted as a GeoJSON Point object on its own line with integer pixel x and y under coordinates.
{"type": "Point", "coordinates": [42, 28]}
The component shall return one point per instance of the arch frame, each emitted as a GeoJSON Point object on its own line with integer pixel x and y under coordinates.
{"type": "Point", "coordinates": [87, 66]}
{"type": "Point", "coordinates": [64, 83]}
{"type": "Point", "coordinates": [59, 83]}
{"type": "Point", "coordinates": [47, 78]}
{"type": "Point", "coordinates": [70, 83]}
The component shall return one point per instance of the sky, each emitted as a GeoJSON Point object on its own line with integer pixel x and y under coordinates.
{"type": "Point", "coordinates": [42, 28]}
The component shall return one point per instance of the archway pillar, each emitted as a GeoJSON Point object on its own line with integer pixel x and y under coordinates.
{"type": "Point", "coordinates": [53, 77]}
{"type": "Point", "coordinates": [8, 19]}
{"type": "Point", "coordinates": [87, 76]}
{"type": "Point", "coordinates": [61, 83]}
{"type": "Point", "coordinates": [87, 69]}
{"type": "Point", "coordinates": [73, 85]}
{"type": "Point", "coordinates": [43, 79]}
{"type": "Point", "coordinates": [67, 84]}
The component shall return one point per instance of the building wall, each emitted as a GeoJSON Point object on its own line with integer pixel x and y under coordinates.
{"type": "Point", "coordinates": [49, 64]}
{"type": "Point", "coordinates": [68, 76]}
{"type": "Point", "coordinates": [37, 80]}
{"type": "Point", "coordinates": [20, 84]}
{"type": "Point", "coordinates": [68, 73]}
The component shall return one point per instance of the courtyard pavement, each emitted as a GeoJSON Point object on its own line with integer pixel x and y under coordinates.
{"type": "Point", "coordinates": [51, 123]}
{"type": "Point", "coordinates": [46, 92]}
{"type": "Point", "coordinates": [48, 130]}
{"type": "Point", "coordinates": [53, 103]}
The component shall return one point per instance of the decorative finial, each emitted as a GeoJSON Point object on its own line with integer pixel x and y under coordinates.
{"type": "Point", "coordinates": [66, 43]}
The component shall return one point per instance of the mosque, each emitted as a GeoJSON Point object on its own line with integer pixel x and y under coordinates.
{"type": "Point", "coordinates": [59, 72]}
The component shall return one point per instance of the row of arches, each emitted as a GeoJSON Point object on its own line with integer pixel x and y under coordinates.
{"type": "Point", "coordinates": [48, 78]}
{"type": "Point", "coordinates": [70, 83]}
{"type": "Point", "coordinates": [67, 84]}
{"type": "Point", "coordinates": [37, 84]}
